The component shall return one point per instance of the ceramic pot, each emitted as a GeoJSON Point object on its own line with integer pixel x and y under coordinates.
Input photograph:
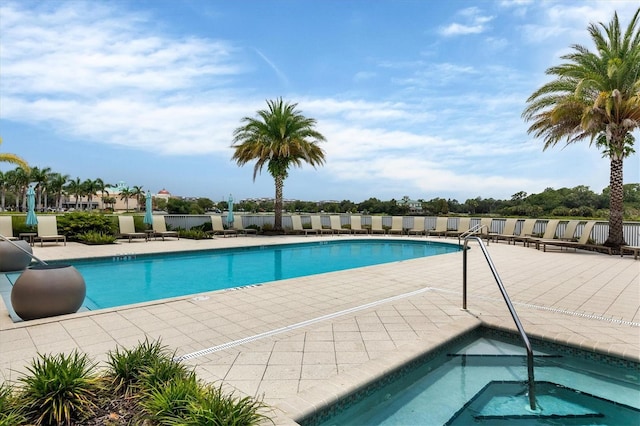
{"type": "Point", "coordinates": [48, 290]}
{"type": "Point", "coordinates": [12, 258]}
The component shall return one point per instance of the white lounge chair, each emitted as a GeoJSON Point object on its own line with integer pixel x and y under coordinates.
{"type": "Point", "coordinates": [297, 228]}
{"type": "Point", "coordinates": [159, 227]}
{"type": "Point", "coordinates": [376, 225]}
{"type": "Point", "coordinates": [463, 226]}
{"type": "Point", "coordinates": [128, 229]}
{"type": "Point", "coordinates": [217, 228]}
{"type": "Point", "coordinates": [418, 227]}
{"type": "Point", "coordinates": [508, 232]}
{"type": "Point", "coordinates": [336, 225]}
{"type": "Point", "coordinates": [526, 232]}
{"type": "Point", "coordinates": [316, 225]}
{"type": "Point", "coordinates": [582, 243]}
{"type": "Point", "coordinates": [441, 227]}
{"type": "Point", "coordinates": [397, 226]}
{"type": "Point", "coordinates": [6, 227]}
{"type": "Point", "coordinates": [238, 226]}
{"type": "Point", "coordinates": [48, 230]}
{"type": "Point", "coordinates": [356, 225]}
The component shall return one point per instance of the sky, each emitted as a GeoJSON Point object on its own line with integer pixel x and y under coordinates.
{"type": "Point", "coordinates": [415, 98]}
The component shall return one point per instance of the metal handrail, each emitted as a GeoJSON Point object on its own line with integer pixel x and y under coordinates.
{"type": "Point", "coordinates": [34, 257]}
{"type": "Point", "coordinates": [472, 231]}
{"type": "Point", "coordinates": [512, 311]}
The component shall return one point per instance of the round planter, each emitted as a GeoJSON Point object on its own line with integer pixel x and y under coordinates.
{"type": "Point", "coordinates": [48, 290]}
{"type": "Point", "coordinates": [12, 258]}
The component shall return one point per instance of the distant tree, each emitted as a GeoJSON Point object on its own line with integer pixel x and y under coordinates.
{"type": "Point", "coordinates": [595, 97]}
{"type": "Point", "coordinates": [139, 195]}
{"type": "Point", "coordinates": [57, 184]}
{"type": "Point", "coordinates": [125, 195]}
{"type": "Point", "coordinates": [279, 138]}
{"type": "Point", "coordinates": [205, 204]}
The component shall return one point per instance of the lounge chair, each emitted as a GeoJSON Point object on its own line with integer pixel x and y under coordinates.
{"type": "Point", "coordinates": [6, 227]}
{"type": "Point", "coordinates": [217, 228]}
{"type": "Point", "coordinates": [336, 226]}
{"type": "Point", "coordinates": [418, 227]}
{"type": "Point", "coordinates": [297, 228]}
{"type": "Point", "coordinates": [396, 226]}
{"type": "Point", "coordinates": [631, 250]}
{"type": "Point", "coordinates": [159, 227]}
{"type": "Point", "coordinates": [441, 227]}
{"type": "Point", "coordinates": [376, 225]}
{"type": "Point", "coordinates": [464, 224]}
{"type": "Point", "coordinates": [48, 230]}
{"type": "Point", "coordinates": [582, 243]}
{"type": "Point", "coordinates": [238, 226]}
{"type": "Point", "coordinates": [356, 225]}
{"type": "Point", "coordinates": [526, 232]}
{"type": "Point", "coordinates": [508, 232]}
{"type": "Point", "coordinates": [316, 225]}
{"type": "Point", "coordinates": [128, 229]}
{"type": "Point", "coordinates": [550, 233]}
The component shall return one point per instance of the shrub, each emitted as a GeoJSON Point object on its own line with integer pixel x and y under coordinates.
{"type": "Point", "coordinates": [170, 402]}
{"type": "Point", "coordinates": [74, 224]}
{"type": "Point", "coordinates": [93, 237]}
{"type": "Point", "coordinates": [215, 408]}
{"type": "Point", "coordinates": [126, 366]}
{"type": "Point", "coordinates": [59, 389]}
{"type": "Point", "coordinates": [194, 234]}
{"type": "Point", "coordinates": [10, 409]}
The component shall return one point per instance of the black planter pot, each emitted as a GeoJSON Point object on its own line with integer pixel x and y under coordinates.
{"type": "Point", "coordinates": [48, 290]}
{"type": "Point", "coordinates": [12, 258]}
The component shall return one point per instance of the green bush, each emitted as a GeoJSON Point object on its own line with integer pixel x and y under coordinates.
{"type": "Point", "coordinates": [194, 234]}
{"type": "Point", "coordinates": [74, 224]}
{"type": "Point", "coordinates": [59, 389]}
{"type": "Point", "coordinates": [93, 237]}
{"type": "Point", "coordinates": [10, 407]}
{"type": "Point", "coordinates": [126, 366]}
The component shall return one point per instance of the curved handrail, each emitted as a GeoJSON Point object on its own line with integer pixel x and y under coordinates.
{"type": "Point", "coordinates": [512, 311]}
{"type": "Point", "coordinates": [34, 257]}
{"type": "Point", "coordinates": [472, 231]}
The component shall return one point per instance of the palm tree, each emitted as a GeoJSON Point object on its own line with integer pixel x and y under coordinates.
{"type": "Point", "coordinates": [125, 194]}
{"type": "Point", "coordinates": [595, 97]}
{"type": "Point", "coordinates": [40, 177]}
{"type": "Point", "coordinates": [280, 137]}
{"type": "Point", "coordinates": [14, 159]}
{"type": "Point", "coordinates": [57, 184]}
{"type": "Point", "coordinates": [75, 187]}
{"type": "Point", "coordinates": [138, 194]}
{"type": "Point", "coordinates": [91, 188]}
{"type": "Point", "coordinates": [102, 187]}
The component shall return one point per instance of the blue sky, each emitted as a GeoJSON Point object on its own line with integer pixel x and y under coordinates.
{"type": "Point", "coordinates": [416, 98]}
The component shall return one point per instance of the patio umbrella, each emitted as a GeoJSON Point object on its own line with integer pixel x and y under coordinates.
{"type": "Point", "coordinates": [31, 205]}
{"type": "Point", "coordinates": [148, 214]}
{"type": "Point", "coordinates": [230, 214]}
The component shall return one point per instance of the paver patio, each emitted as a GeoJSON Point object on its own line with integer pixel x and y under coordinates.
{"type": "Point", "coordinates": [299, 342]}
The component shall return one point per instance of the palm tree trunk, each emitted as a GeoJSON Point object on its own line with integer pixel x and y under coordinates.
{"type": "Point", "coordinates": [616, 205]}
{"type": "Point", "coordinates": [277, 226]}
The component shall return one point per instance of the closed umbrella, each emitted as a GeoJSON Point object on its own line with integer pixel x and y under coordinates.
{"type": "Point", "coordinates": [148, 214]}
{"type": "Point", "coordinates": [31, 205]}
{"type": "Point", "coordinates": [230, 214]}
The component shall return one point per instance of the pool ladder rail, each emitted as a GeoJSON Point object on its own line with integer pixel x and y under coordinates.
{"type": "Point", "coordinates": [31, 255]}
{"type": "Point", "coordinates": [512, 310]}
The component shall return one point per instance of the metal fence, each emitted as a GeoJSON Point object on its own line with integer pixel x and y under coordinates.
{"type": "Point", "coordinates": [598, 234]}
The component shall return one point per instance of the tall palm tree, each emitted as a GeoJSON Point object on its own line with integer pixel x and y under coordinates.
{"type": "Point", "coordinates": [279, 137]}
{"type": "Point", "coordinates": [4, 187]}
{"type": "Point", "coordinates": [74, 187]}
{"type": "Point", "coordinates": [101, 186]}
{"type": "Point", "coordinates": [13, 159]}
{"type": "Point", "coordinates": [91, 188]}
{"type": "Point", "coordinates": [40, 177]}
{"type": "Point", "coordinates": [138, 193]}
{"type": "Point", "coordinates": [595, 97]}
{"type": "Point", "coordinates": [125, 194]}
{"type": "Point", "coordinates": [57, 184]}
{"type": "Point", "coordinates": [21, 178]}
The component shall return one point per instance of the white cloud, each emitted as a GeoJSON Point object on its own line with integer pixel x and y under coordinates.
{"type": "Point", "coordinates": [475, 23]}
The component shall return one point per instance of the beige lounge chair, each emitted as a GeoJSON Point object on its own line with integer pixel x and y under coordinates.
{"type": "Point", "coordinates": [316, 225]}
{"type": "Point", "coordinates": [48, 230]}
{"type": "Point", "coordinates": [128, 229]}
{"type": "Point", "coordinates": [297, 228]}
{"type": "Point", "coordinates": [397, 226]}
{"type": "Point", "coordinates": [159, 226]}
{"type": "Point", "coordinates": [356, 225]}
{"type": "Point", "coordinates": [217, 228]}
{"type": "Point", "coordinates": [508, 232]}
{"type": "Point", "coordinates": [464, 224]}
{"type": "Point", "coordinates": [525, 233]}
{"type": "Point", "coordinates": [582, 243]}
{"type": "Point", "coordinates": [336, 225]}
{"type": "Point", "coordinates": [441, 227]}
{"type": "Point", "coordinates": [418, 227]}
{"type": "Point", "coordinates": [238, 226]}
{"type": "Point", "coordinates": [631, 250]}
{"type": "Point", "coordinates": [6, 227]}
{"type": "Point", "coordinates": [550, 233]}
{"type": "Point", "coordinates": [376, 225]}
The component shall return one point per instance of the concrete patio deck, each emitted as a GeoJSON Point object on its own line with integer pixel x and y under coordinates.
{"type": "Point", "coordinates": [300, 342]}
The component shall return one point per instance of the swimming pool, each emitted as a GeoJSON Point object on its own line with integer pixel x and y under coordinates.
{"type": "Point", "coordinates": [479, 379]}
{"type": "Point", "coordinates": [128, 279]}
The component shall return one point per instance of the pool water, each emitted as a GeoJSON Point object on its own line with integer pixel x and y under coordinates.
{"type": "Point", "coordinates": [483, 381]}
{"type": "Point", "coordinates": [127, 279]}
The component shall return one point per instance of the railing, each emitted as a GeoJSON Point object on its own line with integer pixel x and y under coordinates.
{"type": "Point", "coordinates": [2, 237]}
{"type": "Point", "coordinates": [477, 229]}
{"type": "Point", "coordinates": [512, 311]}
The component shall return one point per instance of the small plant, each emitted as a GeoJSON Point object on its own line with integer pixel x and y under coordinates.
{"type": "Point", "coordinates": [170, 402]}
{"type": "Point", "coordinates": [10, 409]}
{"type": "Point", "coordinates": [59, 389]}
{"type": "Point", "coordinates": [126, 366]}
{"type": "Point", "coordinates": [94, 237]}
{"type": "Point", "coordinates": [194, 234]}
{"type": "Point", "coordinates": [266, 227]}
